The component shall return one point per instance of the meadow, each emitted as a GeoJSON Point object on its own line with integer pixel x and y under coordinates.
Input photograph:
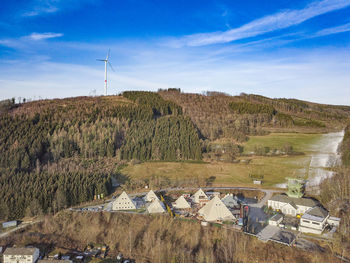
{"type": "Point", "coordinates": [273, 169]}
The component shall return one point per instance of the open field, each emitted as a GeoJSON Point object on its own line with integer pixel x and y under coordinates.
{"type": "Point", "coordinates": [300, 142]}
{"type": "Point", "coordinates": [273, 169]}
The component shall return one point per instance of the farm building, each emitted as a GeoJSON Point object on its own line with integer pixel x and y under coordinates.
{"type": "Point", "coordinates": [151, 196]}
{"type": "Point", "coordinates": [156, 207]}
{"type": "Point", "coordinates": [200, 197]}
{"type": "Point", "coordinates": [123, 202]}
{"type": "Point", "coordinates": [21, 255]}
{"type": "Point", "coordinates": [215, 210]}
{"type": "Point", "coordinates": [181, 203]}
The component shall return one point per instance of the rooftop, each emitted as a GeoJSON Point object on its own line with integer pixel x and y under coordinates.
{"type": "Point", "coordinates": [297, 201]}
{"type": "Point", "coordinates": [20, 251]}
{"type": "Point", "coordinates": [276, 217]}
{"type": "Point", "coordinates": [317, 213]}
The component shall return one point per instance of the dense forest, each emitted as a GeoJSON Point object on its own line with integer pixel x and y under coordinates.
{"type": "Point", "coordinates": [51, 148]}
{"type": "Point", "coordinates": [218, 115]}
{"type": "Point", "coordinates": [36, 135]}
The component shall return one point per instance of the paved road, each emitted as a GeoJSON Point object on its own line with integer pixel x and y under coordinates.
{"type": "Point", "coordinates": [21, 226]}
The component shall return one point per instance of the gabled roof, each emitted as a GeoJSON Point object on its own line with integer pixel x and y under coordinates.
{"type": "Point", "coordinates": [156, 207]}
{"type": "Point", "coordinates": [291, 204]}
{"type": "Point", "coordinates": [297, 201]}
{"type": "Point", "coordinates": [181, 203]}
{"type": "Point", "coordinates": [214, 210]}
{"type": "Point", "coordinates": [150, 196]}
{"type": "Point", "coordinates": [28, 251]}
{"type": "Point", "coordinates": [229, 200]}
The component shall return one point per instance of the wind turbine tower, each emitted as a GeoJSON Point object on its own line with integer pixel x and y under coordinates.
{"type": "Point", "coordinates": [106, 61]}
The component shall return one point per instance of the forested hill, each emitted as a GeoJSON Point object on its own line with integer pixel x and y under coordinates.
{"type": "Point", "coordinates": [217, 115]}
{"type": "Point", "coordinates": [49, 148]}
{"type": "Point", "coordinates": [61, 152]}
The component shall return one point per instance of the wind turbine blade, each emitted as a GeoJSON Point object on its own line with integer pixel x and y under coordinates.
{"type": "Point", "coordinates": [109, 51]}
{"type": "Point", "coordinates": [100, 59]}
{"type": "Point", "coordinates": [111, 66]}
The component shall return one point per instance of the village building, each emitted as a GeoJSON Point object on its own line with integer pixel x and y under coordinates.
{"type": "Point", "coordinates": [291, 205]}
{"type": "Point", "coordinates": [200, 197]}
{"type": "Point", "coordinates": [230, 201]}
{"type": "Point", "coordinates": [276, 220]}
{"type": "Point", "coordinates": [215, 210]}
{"type": "Point", "coordinates": [150, 196]}
{"type": "Point", "coordinates": [181, 203]}
{"type": "Point", "coordinates": [123, 202]}
{"type": "Point", "coordinates": [314, 220]}
{"type": "Point", "coordinates": [21, 255]}
{"type": "Point", "coordinates": [156, 207]}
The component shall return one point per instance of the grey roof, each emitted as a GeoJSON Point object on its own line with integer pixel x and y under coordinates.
{"type": "Point", "coordinates": [276, 217]}
{"type": "Point", "coordinates": [20, 251]}
{"type": "Point", "coordinates": [317, 211]}
{"type": "Point", "coordinates": [297, 201]}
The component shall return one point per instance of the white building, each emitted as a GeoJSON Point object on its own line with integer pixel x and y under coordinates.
{"type": "Point", "coordinates": [314, 220]}
{"type": "Point", "coordinates": [215, 210]}
{"type": "Point", "coordinates": [156, 207]}
{"type": "Point", "coordinates": [150, 196]}
{"type": "Point", "coordinates": [123, 202]}
{"type": "Point", "coordinates": [181, 203]}
{"type": "Point", "coordinates": [21, 255]}
{"type": "Point", "coordinates": [276, 220]}
{"type": "Point", "coordinates": [291, 205]}
{"type": "Point", "coordinates": [199, 197]}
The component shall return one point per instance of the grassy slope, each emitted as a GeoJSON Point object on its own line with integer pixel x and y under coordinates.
{"type": "Point", "coordinates": [300, 142]}
{"type": "Point", "coordinates": [274, 169]}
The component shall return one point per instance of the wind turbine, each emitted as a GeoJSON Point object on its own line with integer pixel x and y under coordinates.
{"type": "Point", "coordinates": [106, 61]}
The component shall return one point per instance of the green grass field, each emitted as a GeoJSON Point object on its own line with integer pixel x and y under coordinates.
{"type": "Point", "coordinates": [301, 142]}
{"type": "Point", "coordinates": [273, 169]}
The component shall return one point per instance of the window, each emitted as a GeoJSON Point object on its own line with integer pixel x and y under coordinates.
{"type": "Point", "coordinates": [306, 221]}
{"type": "Point", "coordinates": [315, 223]}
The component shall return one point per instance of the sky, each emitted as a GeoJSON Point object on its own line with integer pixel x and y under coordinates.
{"type": "Point", "coordinates": [275, 48]}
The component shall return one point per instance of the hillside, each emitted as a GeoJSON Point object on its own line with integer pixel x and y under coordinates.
{"type": "Point", "coordinates": [159, 239]}
{"type": "Point", "coordinates": [63, 152]}
{"type": "Point", "coordinates": [217, 115]}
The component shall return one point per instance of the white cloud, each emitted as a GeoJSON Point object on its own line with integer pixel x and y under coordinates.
{"type": "Point", "coordinates": [42, 7]}
{"type": "Point", "coordinates": [320, 77]}
{"type": "Point", "coordinates": [42, 36]}
{"type": "Point", "coordinates": [333, 30]}
{"type": "Point", "coordinates": [263, 25]}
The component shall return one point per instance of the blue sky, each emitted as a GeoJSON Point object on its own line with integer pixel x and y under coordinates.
{"type": "Point", "coordinates": [276, 48]}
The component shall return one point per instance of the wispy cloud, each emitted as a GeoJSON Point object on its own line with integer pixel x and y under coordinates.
{"type": "Point", "coordinates": [333, 30]}
{"type": "Point", "coordinates": [44, 7]}
{"type": "Point", "coordinates": [42, 36]}
{"type": "Point", "coordinates": [280, 20]}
